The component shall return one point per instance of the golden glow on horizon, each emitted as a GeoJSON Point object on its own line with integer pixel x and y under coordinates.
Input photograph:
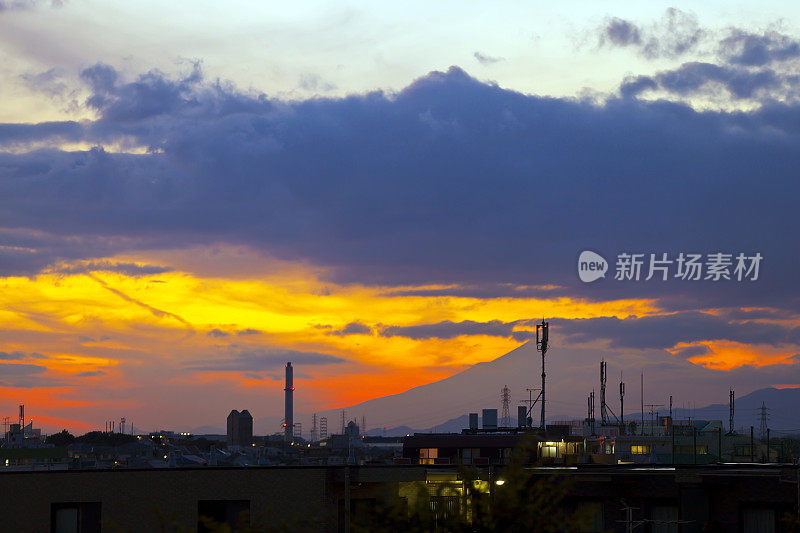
{"type": "Point", "coordinates": [127, 331]}
{"type": "Point", "coordinates": [727, 355]}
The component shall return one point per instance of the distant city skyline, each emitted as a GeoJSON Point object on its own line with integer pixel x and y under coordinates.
{"type": "Point", "coordinates": [192, 195]}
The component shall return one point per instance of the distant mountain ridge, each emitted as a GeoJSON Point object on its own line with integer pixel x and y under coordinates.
{"type": "Point", "coordinates": [572, 373]}
{"type": "Point", "coordinates": [780, 403]}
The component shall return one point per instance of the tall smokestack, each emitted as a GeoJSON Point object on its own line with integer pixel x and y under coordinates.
{"type": "Point", "coordinates": [288, 429]}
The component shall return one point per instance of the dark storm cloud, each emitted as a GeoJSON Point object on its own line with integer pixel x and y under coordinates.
{"type": "Point", "coordinates": [43, 131]}
{"type": "Point", "coordinates": [217, 333]}
{"type": "Point", "coordinates": [665, 331]}
{"type": "Point", "coordinates": [17, 355]}
{"type": "Point", "coordinates": [620, 32]}
{"type": "Point", "coordinates": [20, 369]}
{"type": "Point", "coordinates": [13, 5]}
{"type": "Point", "coordinates": [127, 269]}
{"type": "Point", "coordinates": [674, 35]}
{"type": "Point", "coordinates": [485, 290]}
{"type": "Point", "coordinates": [90, 374]}
{"type": "Point", "coordinates": [259, 359]}
{"type": "Point", "coordinates": [353, 328]}
{"type": "Point", "coordinates": [697, 77]}
{"type": "Point", "coordinates": [754, 50]}
{"type": "Point", "coordinates": [449, 330]}
{"type": "Point", "coordinates": [693, 351]}
{"type": "Point", "coordinates": [450, 181]}
{"type": "Point", "coordinates": [485, 60]}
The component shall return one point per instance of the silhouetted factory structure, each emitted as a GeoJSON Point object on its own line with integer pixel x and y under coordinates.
{"type": "Point", "coordinates": [240, 428]}
{"type": "Point", "coordinates": [288, 422]}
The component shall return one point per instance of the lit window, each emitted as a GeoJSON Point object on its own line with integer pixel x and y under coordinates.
{"type": "Point", "coordinates": [427, 455]}
{"type": "Point", "coordinates": [640, 449]}
{"type": "Point", "coordinates": [550, 451]}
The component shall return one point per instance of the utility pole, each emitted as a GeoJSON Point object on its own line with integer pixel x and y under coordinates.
{"type": "Point", "coordinates": [653, 413]}
{"type": "Point", "coordinates": [642, 384]}
{"type": "Point", "coordinates": [768, 445]}
{"type": "Point", "coordinates": [542, 340]}
{"type": "Point", "coordinates": [531, 402]}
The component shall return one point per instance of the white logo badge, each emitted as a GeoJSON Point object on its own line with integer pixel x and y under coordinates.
{"type": "Point", "coordinates": [591, 266]}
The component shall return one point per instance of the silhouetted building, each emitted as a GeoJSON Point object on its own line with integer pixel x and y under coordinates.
{"type": "Point", "coordinates": [240, 428]}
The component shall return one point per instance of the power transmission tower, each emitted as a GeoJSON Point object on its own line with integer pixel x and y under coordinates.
{"type": "Point", "coordinates": [762, 430]}
{"type": "Point", "coordinates": [323, 427]}
{"type": "Point", "coordinates": [505, 416]}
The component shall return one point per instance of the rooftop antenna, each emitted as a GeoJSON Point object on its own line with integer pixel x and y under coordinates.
{"type": "Point", "coordinates": [604, 408]}
{"type": "Point", "coordinates": [621, 402]}
{"type": "Point", "coordinates": [603, 413]}
{"type": "Point", "coordinates": [590, 411]}
{"type": "Point", "coordinates": [542, 339]}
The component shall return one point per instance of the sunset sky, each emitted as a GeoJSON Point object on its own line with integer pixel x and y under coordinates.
{"type": "Point", "coordinates": [192, 194]}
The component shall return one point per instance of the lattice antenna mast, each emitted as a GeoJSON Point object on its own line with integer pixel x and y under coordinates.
{"type": "Point", "coordinates": [505, 399]}
{"type": "Point", "coordinates": [542, 341]}
{"type": "Point", "coordinates": [730, 422]}
{"type": "Point", "coordinates": [603, 412]}
{"type": "Point", "coordinates": [314, 433]}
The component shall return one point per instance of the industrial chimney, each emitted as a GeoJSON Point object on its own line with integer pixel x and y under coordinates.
{"type": "Point", "coordinates": [288, 428]}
